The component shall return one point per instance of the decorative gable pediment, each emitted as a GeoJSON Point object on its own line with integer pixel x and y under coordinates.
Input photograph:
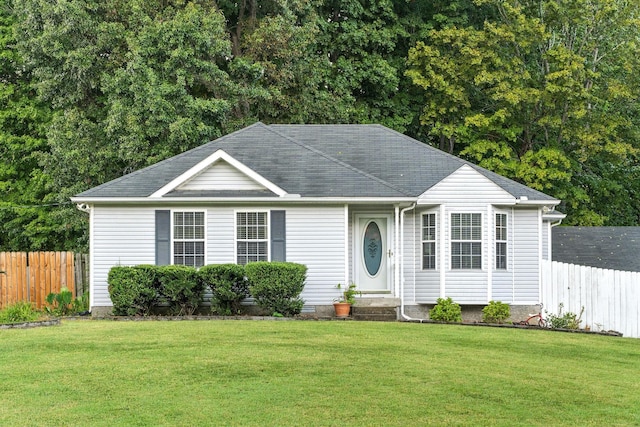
{"type": "Point", "coordinates": [221, 176]}
{"type": "Point", "coordinates": [220, 172]}
{"type": "Point", "coordinates": [466, 184]}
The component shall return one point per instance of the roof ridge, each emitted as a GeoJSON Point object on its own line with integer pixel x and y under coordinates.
{"type": "Point", "coordinates": [340, 162]}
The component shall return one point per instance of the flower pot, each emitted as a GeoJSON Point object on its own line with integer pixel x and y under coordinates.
{"type": "Point", "coordinates": [342, 309]}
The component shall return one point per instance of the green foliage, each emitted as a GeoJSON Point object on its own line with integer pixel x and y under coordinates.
{"type": "Point", "coordinates": [446, 310]}
{"type": "Point", "coordinates": [130, 83]}
{"type": "Point", "coordinates": [517, 93]}
{"type": "Point", "coordinates": [133, 290]}
{"type": "Point", "coordinates": [496, 312]}
{"type": "Point", "coordinates": [544, 93]}
{"type": "Point", "coordinates": [567, 320]}
{"type": "Point", "coordinates": [277, 286]}
{"type": "Point", "coordinates": [60, 304]}
{"type": "Point", "coordinates": [348, 294]}
{"type": "Point", "coordinates": [63, 303]}
{"type": "Point", "coordinates": [181, 288]}
{"type": "Point", "coordinates": [81, 304]}
{"type": "Point", "coordinates": [23, 123]}
{"type": "Point", "coordinates": [21, 311]}
{"type": "Point", "coordinates": [228, 286]}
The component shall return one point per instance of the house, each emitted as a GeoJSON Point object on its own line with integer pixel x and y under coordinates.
{"type": "Point", "coordinates": [404, 221]}
{"type": "Point", "coordinates": [614, 248]}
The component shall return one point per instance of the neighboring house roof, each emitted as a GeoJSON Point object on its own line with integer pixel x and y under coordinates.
{"type": "Point", "coordinates": [314, 161]}
{"type": "Point", "coordinates": [615, 248]}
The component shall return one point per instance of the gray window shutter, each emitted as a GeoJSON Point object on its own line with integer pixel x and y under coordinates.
{"type": "Point", "coordinates": [163, 237]}
{"type": "Point", "coordinates": [278, 236]}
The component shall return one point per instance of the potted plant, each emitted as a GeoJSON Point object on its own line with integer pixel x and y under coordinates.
{"type": "Point", "coordinates": [342, 305]}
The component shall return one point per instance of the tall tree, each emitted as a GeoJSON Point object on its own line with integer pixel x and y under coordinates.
{"type": "Point", "coordinates": [359, 40]}
{"type": "Point", "coordinates": [26, 220]}
{"type": "Point", "coordinates": [130, 82]}
{"type": "Point", "coordinates": [543, 91]}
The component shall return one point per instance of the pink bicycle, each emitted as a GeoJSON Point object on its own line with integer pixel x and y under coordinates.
{"type": "Point", "coordinates": [534, 320]}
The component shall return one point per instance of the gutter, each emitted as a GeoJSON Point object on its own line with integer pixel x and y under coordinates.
{"type": "Point", "coordinates": [227, 200]}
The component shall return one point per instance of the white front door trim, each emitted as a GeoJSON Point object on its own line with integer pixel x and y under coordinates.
{"type": "Point", "coordinates": [382, 282]}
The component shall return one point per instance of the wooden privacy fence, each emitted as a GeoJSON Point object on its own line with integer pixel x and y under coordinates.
{"type": "Point", "coordinates": [611, 298]}
{"type": "Point", "coordinates": [31, 276]}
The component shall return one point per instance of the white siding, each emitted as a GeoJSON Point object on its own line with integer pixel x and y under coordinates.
{"type": "Point", "coordinates": [464, 185]}
{"type": "Point", "coordinates": [221, 176]}
{"type": "Point", "coordinates": [220, 235]}
{"type": "Point", "coordinates": [121, 236]}
{"type": "Point", "coordinates": [526, 256]}
{"type": "Point", "coordinates": [315, 238]}
{"type": "Point", "coordinates": [419, 285]}
{"type": "Point", "coordinates": [466, 191]}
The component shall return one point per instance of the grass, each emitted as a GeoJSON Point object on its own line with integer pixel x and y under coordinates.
{"type": "Point", "coordinates": [253, 373]}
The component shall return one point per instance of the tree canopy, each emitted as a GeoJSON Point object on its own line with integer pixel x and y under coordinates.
{"type": "Point", "coordinates": [542, 91]}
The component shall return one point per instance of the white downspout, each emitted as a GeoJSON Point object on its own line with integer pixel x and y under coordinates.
{"type": "Point", "coordinates": [401, 263]}
{"type": "Point", "coordinates": [346, 247]}
{"type": "Point", "coordinates": [397, 248]}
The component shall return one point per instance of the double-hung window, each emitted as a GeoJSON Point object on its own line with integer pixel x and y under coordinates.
{"type": "Point", "coordinates": [501, 241]}
{"type": "Point", "coordinates": [188, 238]}
{"type": "Point", "coordinates": [466, 241]}
{"type": "Point", "coordinates": [252, 237]}
{"type": "Point", "coordinates": [429, 241]}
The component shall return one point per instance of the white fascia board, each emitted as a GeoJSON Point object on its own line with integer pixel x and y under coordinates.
{"type": "Point", "coordinates": [553, 202]}
{"type": "Point", "coordinates": [227, 200]}
{"type": "Point", "coordinates": [553, 216]}
{"type": "Point", "coordinates": [218, 155]}
{"type": "Point", "coordinates": [501, 203]}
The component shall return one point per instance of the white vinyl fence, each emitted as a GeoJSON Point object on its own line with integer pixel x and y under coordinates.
{"type": "Point", "coordinates": [611, 298]}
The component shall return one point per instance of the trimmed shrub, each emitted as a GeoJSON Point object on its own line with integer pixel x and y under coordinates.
{"type": "Point", "coordinates": [133, 290]}
{"type": "Point", "coordinates": [496, 312]}
{"type": "Point", "coordinates": [228, 286]}
{"type": "Point", "coordinates": [446, 310]}
{"type": "Point", "coordinates": [277, 286]}
{"type": "Point", "coordinates": [181, 288]}
{"type": "Point", "coordinates": [21, 311]}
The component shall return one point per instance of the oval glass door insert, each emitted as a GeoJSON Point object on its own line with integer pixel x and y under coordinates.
{"type": "Point", "coordinates": [372, 248]}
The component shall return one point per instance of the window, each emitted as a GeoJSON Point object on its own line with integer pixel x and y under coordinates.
{"type": "Point", "coordinates": [466, 241]}
{"type": "Point", "coordinates": [251, 237]}
{"type": "Point", "coordinates": [501, 241]}
{"type": "Point", "coordinates": [429, 241]}
{"type": "Point", "coordinates": [188, 238]}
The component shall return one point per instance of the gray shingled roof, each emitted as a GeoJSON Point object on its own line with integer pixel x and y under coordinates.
{"type": "Point", "coordinates": [317, 161]}
{"type": "Point", "coordinates": [616, 248]}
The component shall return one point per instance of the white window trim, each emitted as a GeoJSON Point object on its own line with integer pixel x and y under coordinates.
{"type": "Point", "coordinates": [235, 231]}
{"type": "Point", "coordinates": [436, 226]}
{"type": "Point", "coordinates": [481, 241]}
{"type": "Point", "coordinates": [204, 211]}
{"type": "Point", "coordinates": [505, 241]}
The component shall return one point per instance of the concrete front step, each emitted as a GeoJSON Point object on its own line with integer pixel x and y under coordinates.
{"type": "Point", "coordinates": [374, 313]}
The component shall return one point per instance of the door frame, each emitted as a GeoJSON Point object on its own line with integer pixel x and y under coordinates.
{"type": "Point", "coordinates": [357, 251]}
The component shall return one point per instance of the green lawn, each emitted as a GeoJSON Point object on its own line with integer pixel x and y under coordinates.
{"type": "Point", "coordinates": [306, 373]}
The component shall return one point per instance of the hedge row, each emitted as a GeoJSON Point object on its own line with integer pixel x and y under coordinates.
{"type": "Point", "coordinates": [275, 286]}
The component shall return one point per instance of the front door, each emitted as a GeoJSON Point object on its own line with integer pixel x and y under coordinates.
{"type": "Point", "coordinates": [372, 253]}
